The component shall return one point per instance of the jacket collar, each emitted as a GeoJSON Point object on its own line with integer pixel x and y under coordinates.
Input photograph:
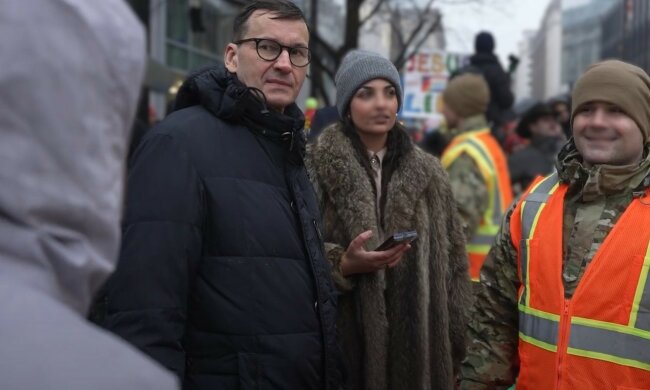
{"type": "Point", "coordinates": [602, 179]}
{"type": "Point", "coordinates": [350, 189]}
{"type": "Point", "coordinates": [472, 123]}
{"type": "Point", "coordinates": [221, 93]}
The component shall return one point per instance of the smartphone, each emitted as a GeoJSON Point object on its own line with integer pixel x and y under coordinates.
{"type": "Point", "coordinates": [396, 239]}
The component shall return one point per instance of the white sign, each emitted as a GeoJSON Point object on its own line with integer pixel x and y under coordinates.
{"type": "Point", "coordinates": [425, 77]}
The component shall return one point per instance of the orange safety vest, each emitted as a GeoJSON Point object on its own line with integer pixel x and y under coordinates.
{"type": "Point", "coordinates": [481, 146]}
{"type": "Point", "coordinates": [600, 338]}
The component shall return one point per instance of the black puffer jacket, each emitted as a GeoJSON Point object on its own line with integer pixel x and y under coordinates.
{"type": "Point", "coordinates": [222, 276]}
{"type": "Point", "coordinates": [501, 97]}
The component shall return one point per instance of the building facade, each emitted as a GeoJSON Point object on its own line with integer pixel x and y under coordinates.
{"type": "Point", "coordinates": [522, 78]}
{"type": "Point", "coordinates": [626, 32]}
{"type": "Point", "coordinates": [582, 37]}
{"type": "Point", "coordinates": [185, 35]}
{"type": "Point", "coordinates": [546, 55]}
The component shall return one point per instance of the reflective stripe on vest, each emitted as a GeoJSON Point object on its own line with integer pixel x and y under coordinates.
{"type": "Point", "coordinates": [484, 151]}
{"type": "Point", "coordinates": [532, 205]}
{"type": "Point", "coordinates": [625, 339]}
{"type": "Point", "coordinates": [539, 328]}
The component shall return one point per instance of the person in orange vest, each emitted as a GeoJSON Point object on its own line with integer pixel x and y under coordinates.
{"type": "Point", "coordinates": [311, 104]}
{"type": "Point", "coordinates": [565, 294]}
{"type": "Point", "coordinates": [477, 166]}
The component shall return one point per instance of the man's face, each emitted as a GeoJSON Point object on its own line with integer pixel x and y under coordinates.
{"type": "Point", "coordinates": [279, 79]}
{"type": "Point", "coordinates": [604, 134]}
{"type": "Point", "coordinates": [546, 126]}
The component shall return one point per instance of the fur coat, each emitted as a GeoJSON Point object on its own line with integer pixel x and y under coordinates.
{"type": "Point", "coordinates": [402, 328]}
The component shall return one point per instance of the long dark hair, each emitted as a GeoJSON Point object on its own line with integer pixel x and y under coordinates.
{"type": "Point", "coordinates": [398, 144]}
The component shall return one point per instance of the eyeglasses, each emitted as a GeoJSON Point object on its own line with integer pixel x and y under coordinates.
{"type": "Point", "coordinates": [270, 50]}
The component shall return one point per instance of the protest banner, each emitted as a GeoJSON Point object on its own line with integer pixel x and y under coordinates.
{"type": "Point", "coordinates": [424, 78]}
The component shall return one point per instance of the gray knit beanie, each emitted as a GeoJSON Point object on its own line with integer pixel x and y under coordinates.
{"type": "Point", "coordinates": [359, 67]}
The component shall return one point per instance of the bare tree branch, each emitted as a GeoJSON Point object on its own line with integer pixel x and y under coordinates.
{"type": "Point", "coordinates": [318, 62]}
{"type": "Point", "coordinates": [395, 21]}
{"type": "Point", "coordinates": [372, 13]}
{"type": "Point", "coordinates": [403, 56]}
{"type": "Point", "coordinates": [318, 81]}
{"type": "Point", "coordinates": [422, 21]}
{"type": "Point", "coordinates": [319, 44]}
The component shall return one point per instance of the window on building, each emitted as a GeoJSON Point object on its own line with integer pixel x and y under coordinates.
{"type": "Point", "coordinates": [187, 49]}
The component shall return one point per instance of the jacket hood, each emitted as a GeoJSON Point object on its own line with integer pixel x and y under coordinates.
{"type": "Point", "coordinates": [65, 125]}
{"type": "Point", "coordinates": [221, 93]}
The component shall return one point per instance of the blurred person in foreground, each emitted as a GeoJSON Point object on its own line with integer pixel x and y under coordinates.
{"type": "Point", "coordinates": [565, 293]}
{"type": "Point", "coordinates": [540, 126]}
{"type": "Point", "coordinates": [70, 83]}
{"type": "Point", "coordinates": [222, 276]}
{"type": "Point", "coordinates": [477, 166]}
{"type": "Point", "coordinates": [402, 317]}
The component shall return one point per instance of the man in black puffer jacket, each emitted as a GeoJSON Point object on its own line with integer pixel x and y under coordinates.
{"type": "Point", "coordinates": [222, 276]}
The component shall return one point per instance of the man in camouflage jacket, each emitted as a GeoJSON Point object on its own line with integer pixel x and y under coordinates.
{"type": "Point", "coordinates": [465, 101]}
{"type": "Point", "coordinates": [476, 165]}
{"type": "Point", "coordinates": [605, 166]}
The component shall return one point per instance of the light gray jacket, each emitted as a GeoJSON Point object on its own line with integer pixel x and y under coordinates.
{"type": "Point", "coordinates": [69, 79]}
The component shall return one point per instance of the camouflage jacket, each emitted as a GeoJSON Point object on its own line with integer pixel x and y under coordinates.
{"type": "Point", "coordinates": [467, 184]}
{"type": "Point", "coordinates": [595, 199]}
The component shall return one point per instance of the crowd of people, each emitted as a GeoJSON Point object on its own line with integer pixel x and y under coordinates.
{"type": "Point", "coordinates": [243, 257]}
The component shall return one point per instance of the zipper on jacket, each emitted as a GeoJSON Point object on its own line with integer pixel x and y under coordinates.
{"type": "Point", "coordinates": [320, 236]}
{"type": "Point", "coordinates": [562, 341]}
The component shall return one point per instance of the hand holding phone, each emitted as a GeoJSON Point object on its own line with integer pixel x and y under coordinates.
{"type": "Point", "coordinates": [398, 238]}
{"type": "Point", "coordinates": [358, 260]}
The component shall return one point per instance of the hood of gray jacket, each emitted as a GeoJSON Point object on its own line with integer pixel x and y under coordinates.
{"type": "Point", "coordinates": [70, 78]}
{"type": "Point", "coordinates": [65, 126]}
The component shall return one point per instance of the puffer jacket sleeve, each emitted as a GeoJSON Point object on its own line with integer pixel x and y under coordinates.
{"type": "Point", "coordinates": [147, 296]}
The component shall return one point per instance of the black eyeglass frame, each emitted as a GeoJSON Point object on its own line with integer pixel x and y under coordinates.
{"type": "Point", "coordinates": [282, 47]}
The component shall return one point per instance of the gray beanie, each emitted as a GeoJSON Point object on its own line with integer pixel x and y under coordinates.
{"type": "Point", "coordinates": [359, 67]}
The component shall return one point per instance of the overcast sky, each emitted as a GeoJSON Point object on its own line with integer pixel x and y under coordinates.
{"type": "Point", "coordinates": [506, 19]}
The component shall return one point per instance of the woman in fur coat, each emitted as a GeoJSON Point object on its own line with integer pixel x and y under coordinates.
{"type": "Point", "coordinates": [402, 312]}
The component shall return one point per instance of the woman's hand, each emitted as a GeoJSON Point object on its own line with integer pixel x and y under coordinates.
{"type": "Point", "coordinates": [357, 260]}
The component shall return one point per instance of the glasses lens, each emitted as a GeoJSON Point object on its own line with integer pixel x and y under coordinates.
{"type": "Point", "coordinates": [268, 50]}
{"type": "Point", "coordinates": [300, 56]}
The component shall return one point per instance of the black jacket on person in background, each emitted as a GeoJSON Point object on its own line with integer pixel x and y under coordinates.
{"type": "Point", "coordinates": [533, 160]}
{"type": "Point", "coordinates": [501, 97]}
{"type": "Point", "coordinates": [222, 276]}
